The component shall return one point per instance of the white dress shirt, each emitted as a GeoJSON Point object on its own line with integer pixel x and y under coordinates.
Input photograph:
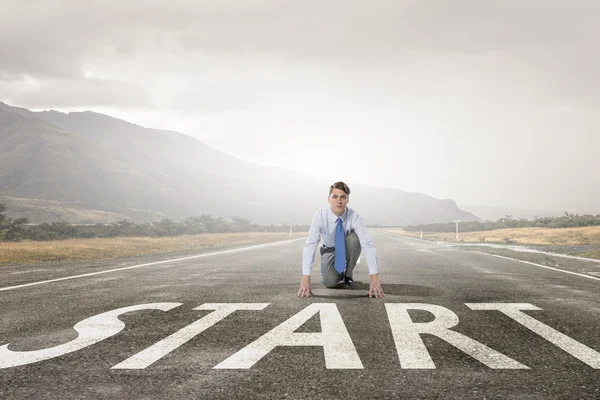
{"type": "Point", "coordinates": [323, 226]}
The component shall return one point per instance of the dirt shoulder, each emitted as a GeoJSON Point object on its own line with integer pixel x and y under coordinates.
{"type": "Point", "coordinates": [567, 258]}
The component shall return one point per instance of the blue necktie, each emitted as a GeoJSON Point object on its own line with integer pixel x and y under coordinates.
{"type": "Point", "coordinates": [340, 247]}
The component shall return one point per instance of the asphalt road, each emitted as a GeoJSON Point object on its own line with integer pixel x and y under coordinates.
{"type": "Point", "coordinates": [440, 332]}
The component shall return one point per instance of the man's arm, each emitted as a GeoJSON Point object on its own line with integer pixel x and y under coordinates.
{"type": "Point", "coordinates": [366, 243]}
{"type": "Point", "coordinates": [375, 289]}
{"type": "Point", "coordinates": [370, 256]}
{"type": "Point", "coordinates": [308, 255]}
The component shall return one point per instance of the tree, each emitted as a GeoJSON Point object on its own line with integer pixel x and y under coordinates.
{"type": "Point", "coordinates": [11, 229]}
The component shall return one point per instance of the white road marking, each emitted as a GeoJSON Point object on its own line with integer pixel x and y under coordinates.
{"type": "Point", "coordinates": [160, 349]}
{"type": "Point", "coordinates": [538, 265]}
{"type": "Point", "coordinates": [497, 246]}
{"type": "Point", "coordinates": [513, 310]}
{"type": "Point", "coordinates": [412, 351]}
{"type": "Point", "coordinates": [339, 350]}
{"type": "Point", "coordinates": [522, 249]}
{"type": "Point", "coordinates": [91, 330]}
{"type": "Point", "coordinates": [152, 263]}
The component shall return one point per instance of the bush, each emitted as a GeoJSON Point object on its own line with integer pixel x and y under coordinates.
{"type": "Point", "coordinates": [567, 220]}
{"type": "Point", "coordinates": [11, 229]}
{"type": "Point", "coordinates": [15, 229]}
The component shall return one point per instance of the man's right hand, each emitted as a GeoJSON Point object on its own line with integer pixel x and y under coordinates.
{"type": "Point", "coordinates": [304, 287]}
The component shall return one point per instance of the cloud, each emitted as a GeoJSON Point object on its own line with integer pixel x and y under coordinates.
{"type": "Point", "coordinates": [85, 92]}
{"type": "Point", "coordinates": [556, 39]}
{"type": "Point", "coordinates": [480, 101]}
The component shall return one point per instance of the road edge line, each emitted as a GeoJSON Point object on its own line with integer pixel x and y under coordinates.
{"type": "Point", "coordinates": [537, 265]}
{"type": "Point", "coordinates": [149, 264]}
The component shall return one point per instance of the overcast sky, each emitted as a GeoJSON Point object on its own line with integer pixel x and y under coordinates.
{"type": "Point", "coordinates": [485, 102]}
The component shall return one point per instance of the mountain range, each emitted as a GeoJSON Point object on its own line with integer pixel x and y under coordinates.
{"type": "Point", "coordinates": [86, 167]}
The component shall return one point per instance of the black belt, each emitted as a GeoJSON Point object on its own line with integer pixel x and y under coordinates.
{"type": "Point", "coordinates": [324, 249]}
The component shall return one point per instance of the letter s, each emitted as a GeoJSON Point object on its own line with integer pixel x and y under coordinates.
{"type": "Point", "coordinates": [91, 330]}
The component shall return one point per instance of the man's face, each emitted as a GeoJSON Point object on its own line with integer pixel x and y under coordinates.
{"type": "Point", "coordinates": [338, 200]}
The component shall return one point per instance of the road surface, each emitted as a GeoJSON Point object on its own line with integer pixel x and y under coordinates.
{"type": "Point", "coordinates": [454, 324]}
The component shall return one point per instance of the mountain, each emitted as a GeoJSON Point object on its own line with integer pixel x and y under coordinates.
{"type": "Point", "coordinates": [108, 167]}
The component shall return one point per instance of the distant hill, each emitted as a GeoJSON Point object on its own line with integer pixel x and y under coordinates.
{"type": "Point", "coordinates": [493, 213]}
{"type": "Point", "coordinates": [98, 167]}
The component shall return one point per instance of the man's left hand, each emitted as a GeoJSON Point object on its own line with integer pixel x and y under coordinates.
{"type": "Point", "coordinates": [375, 289]}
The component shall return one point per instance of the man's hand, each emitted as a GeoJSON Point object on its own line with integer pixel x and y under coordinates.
{"type": "Point", "coordinates": [375, 289]}
{"type": "Point", "coordinates": [304, 287]}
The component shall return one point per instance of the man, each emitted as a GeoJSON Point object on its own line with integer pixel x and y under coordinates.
{"type": "Point", "coordinates": [341, 227]}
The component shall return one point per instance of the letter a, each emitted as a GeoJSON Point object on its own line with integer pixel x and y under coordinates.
{"type": "Point", "coordinates": [339, 350]}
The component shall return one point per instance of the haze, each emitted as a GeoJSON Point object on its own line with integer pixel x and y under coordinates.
{"type": "Point", "coordinates": [486, 103]}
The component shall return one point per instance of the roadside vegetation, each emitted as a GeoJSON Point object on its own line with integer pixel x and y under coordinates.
{"type": "Point", "coordinates": [588, 238]}
{"type": "Point", "coordinates": [567, 220]}
{"type": "Point", "coordinates": [15, 230]}
{"type": "Point", "coordinates": [22, 243]}
{"type": "Point", "coordinates": [523, 236]}
{"type": "Point", "coordinates": [95, 249]}
{"type": "Point", "coordinates": [567, 230]}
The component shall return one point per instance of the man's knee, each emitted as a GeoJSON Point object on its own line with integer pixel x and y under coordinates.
{"type": "Point", "coordinates": [331, 281]}
{"type": "Point", "coordinates": [352, 242]}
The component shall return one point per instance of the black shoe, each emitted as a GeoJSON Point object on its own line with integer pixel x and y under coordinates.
{"type": "Point", "coordinates": [348, 282]}
{"type": "Point", "coordinates": [340, 279]}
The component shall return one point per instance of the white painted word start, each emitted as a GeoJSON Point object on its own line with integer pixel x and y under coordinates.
{"type": "Point", "coordinates": [338, 347]}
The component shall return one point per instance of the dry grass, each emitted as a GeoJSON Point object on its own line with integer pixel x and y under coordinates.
{"type": "Point", "coordinates": [592, 254]}
{"type": "Point", "coordinates": [558, 236]}
{"type": "Point", "coordinates": [93, 249]}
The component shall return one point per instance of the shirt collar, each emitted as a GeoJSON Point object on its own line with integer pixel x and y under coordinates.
{"type": "Point", "coordinates": [334, 217]}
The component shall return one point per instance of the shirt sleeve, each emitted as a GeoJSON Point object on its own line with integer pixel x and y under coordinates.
{"type": "Point", "coordinates": [366, 243]}
{"type": "Point", "coordinates": [314, 237]}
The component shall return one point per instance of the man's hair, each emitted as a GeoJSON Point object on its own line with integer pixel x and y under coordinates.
{"type": "Point", "coordinates": [341, 186]}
